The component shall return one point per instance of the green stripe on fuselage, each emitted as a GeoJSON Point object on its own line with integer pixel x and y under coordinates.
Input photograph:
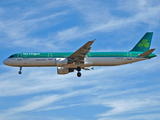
{"type": "Point", "coordinates": [90, 54]}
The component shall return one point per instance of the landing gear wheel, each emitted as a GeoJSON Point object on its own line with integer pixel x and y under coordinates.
{"type": "Point", "coordinates": [79, 74]}
{"type": "Point", "coordinates": [78, 68]}
{"type": "Point", "coordinates": [20, 72]}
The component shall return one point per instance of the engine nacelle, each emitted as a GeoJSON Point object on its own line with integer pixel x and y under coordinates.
{"type": "Point", "coordinates": [62, 70]}
{"type": "Point", "coordinates": [61, 61]}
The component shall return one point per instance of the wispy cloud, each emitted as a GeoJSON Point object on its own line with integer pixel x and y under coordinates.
{"type": "Point", "coordinates": [19, 30]}
{"type": "Point", "coordinates": [46, 79]}
{"type": "Point", "coordinates": [101, 90]}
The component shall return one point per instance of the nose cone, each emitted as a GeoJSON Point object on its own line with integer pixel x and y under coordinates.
{"type": "Point", "coordinates": [5, 62]}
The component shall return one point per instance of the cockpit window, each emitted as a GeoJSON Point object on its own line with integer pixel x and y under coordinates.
{"type": "Point", "coordinates": [11, 56]}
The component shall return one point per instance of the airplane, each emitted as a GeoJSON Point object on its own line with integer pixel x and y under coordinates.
{"type": "Point", "coordinates": [67, 62]}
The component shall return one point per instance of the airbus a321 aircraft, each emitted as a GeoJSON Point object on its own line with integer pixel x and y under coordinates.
{"type": "Point", "coordinates": [67, 62]}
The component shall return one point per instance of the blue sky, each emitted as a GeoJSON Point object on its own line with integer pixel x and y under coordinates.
{"type": "Point", "coordinates": [130, 92]}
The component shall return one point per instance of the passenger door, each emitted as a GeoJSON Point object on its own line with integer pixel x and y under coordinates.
{"type": "Point", "coordinates": [49, 56]}
{"type": "Point", "coordinates": [129, 56]}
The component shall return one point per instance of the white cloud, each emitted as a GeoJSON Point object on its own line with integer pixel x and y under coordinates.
{"type": "Point", "coordinates": [58, 107]}
{"type": "Point", "coordinates": [46, 79]}
{"type": "Point", "coordinates": [106, 23]}
{"type": "Point", "coordinates": [35, 104]}
{"type": "Point", "coordinates": [19, 29]}
{"type": "Point", "coordinates": [101, 89]}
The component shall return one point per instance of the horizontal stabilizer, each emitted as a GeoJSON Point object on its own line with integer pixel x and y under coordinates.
{"type": "Point", "coordinates": [146, 53]}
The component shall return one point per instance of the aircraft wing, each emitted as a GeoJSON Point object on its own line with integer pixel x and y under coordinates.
{"type": "Point", "coordinates": [81, 53]}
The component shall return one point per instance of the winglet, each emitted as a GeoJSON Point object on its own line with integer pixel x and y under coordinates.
{"type": "Point", "coordinates": [146, 53]}
{"type": "Point", "coordinates": [94, 40]}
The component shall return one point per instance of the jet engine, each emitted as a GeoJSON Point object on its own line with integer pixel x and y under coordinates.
{"type": "Point", "coordinates": [63, 61]}
{"type": "Point", "coordinates": [62, 70]}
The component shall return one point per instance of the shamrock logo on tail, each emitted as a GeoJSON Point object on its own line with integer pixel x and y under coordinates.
{"type": "Point", "coordinates": [144, 43]}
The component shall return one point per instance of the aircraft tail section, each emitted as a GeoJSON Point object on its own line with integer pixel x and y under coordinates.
{"type": "Point", "coordinates": [146, 53]}
{"type": "Point", "coordinates": [144, 44]}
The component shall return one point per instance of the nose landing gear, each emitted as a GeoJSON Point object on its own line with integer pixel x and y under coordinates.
{"type": "Point", "coordinates": [20, 72]}
{"type": "Point", "coordinates": [79, 73]}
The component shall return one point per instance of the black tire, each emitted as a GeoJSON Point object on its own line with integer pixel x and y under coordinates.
{"type": "Point", "coordinates": [79, 74]}
{"type": "Point", "coordinates": [78, 68]}
{"type": "Point", "coordinates": [20, 72]}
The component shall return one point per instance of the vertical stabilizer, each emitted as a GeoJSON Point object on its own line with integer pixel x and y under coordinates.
{"type": "Point", "coordinates": [144, 44]}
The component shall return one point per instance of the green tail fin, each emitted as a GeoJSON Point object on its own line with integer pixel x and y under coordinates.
{"type": "Point", "coordinates": [144, 44]}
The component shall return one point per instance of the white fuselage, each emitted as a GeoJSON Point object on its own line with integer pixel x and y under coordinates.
{"type": "Point", "coordinates": [89, 61]}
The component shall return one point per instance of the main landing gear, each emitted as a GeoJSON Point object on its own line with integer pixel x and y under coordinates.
{"type": "Point", "coordinates": [20, 71]}
{"type": "Point", "coordinates": [79, 73]}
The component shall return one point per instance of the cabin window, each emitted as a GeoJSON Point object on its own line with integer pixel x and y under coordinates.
{"type": "Point", "coordinates": [11, 56]}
